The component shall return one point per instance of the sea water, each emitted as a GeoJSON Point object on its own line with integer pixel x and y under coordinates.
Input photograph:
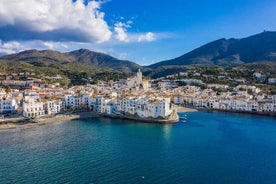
{"type": "Point", "coordinates": [208, 147]}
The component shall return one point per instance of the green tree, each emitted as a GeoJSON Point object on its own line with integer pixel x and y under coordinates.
{"type": "Point", "coordinates": [7, 89]}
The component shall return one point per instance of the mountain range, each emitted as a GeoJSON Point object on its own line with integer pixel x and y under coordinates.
{"type": "Point", "coordinates": [229, 52]}
{"type": "Point", "coordinates": [83, 57]}
{"type": "Point", "coordinates": [258, 48]}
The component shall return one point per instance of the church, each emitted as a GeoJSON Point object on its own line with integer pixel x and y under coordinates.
{"type": "Point", "coordinates": [137, 82]}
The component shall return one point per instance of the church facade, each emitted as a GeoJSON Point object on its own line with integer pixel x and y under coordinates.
{"type": "Point", "coordinates": [137, 82]}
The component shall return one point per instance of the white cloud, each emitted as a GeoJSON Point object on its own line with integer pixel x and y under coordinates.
{"type": "Point", "coordinates": [149, 37]}
{"type": "Point", "coordinates": [121, 34]}
{"type": "Point", "coordinates": [15, 46]}
{"type": "Point", "coordinates": [10, 47]}
{"type": "Point", "coordinates": [75, 19]}
{"type": "Point", "coordinates": [63, 25]}
{"type": "Point", "coordinates": [120, 29]}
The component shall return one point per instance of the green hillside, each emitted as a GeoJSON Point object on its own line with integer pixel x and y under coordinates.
{"type": "Point", "coordinates": [74, 65]}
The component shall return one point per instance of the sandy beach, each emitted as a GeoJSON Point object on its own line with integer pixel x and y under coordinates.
{"type": "Point", "coordinates": [30, 123]}
{"type": "Point", "coordinates": [7, 126]}
{"type": "Point", "coordinates": [186, 109]}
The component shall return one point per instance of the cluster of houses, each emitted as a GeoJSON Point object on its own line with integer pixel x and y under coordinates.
{"type": "Point", "coordinates": [243, 98]}
{"type": "Point", "coordinates": [263, 78]}
{"type": "Point", "coordinates": [125, 97]}
{"type": "Point", "coordinates": [134, 97]}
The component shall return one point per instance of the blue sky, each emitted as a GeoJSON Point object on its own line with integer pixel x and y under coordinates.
{"type": "Point", "coordinates": [142, 31]}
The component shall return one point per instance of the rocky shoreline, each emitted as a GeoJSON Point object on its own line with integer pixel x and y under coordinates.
{"type": "Point", "coordinates": [146, 120]}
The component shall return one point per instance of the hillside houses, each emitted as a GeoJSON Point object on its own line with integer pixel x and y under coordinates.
{"type": "Point", "coordinates": [134, 97]}
{"type": "Point", "coordinates": [238, 101]}
{"type": "Point", "coordinates": [101, 99]}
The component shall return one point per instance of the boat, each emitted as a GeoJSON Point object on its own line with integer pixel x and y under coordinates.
{"type": "Point", "coordinates": [183, 119]}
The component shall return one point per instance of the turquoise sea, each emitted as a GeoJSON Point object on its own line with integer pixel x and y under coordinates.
{"type": "Point", "coordinates": [209, 147]}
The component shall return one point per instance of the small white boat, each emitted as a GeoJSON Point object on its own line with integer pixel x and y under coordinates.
{"type": "Point", "coordinates": [183, 119]}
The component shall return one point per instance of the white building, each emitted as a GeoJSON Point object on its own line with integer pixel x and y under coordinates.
{"type": "Point", "coordinates": [155, 108]}
{"type": "Point", "coordinates": [107, 107]}
{"type": "Point", "coordinates": [52, 107]}
{"type": "Point", "coordinates": [141, 107]}
{"type": "Point", "coordinates": [161, 108]}
{"type": "Point", "coordinates": [271, 80]}
{"type": "Point", "coordinates": [178, 100]}
{"type": "Point", "coordinates": [71, 102]}
{"type": "Point", "coordinates": [137, 82]}
{"type": "Point", "coordinates": [76, 102]}
{"type": "Point", "coordinates": [2, 92]}
{"type": "Point", "coordinates": [257, 75]}
{"type": "Point", "coordinates": [33, 107]}
{"type": "Point", "coordinates": [8, 106]}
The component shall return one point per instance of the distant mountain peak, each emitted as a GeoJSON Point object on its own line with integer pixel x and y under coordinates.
{"type": "Point", "coordinates": [82, 50]}
{"type": "Point", "coordinates": [82, 56]}
{"type": "Point", "coordinates": [229, 52]}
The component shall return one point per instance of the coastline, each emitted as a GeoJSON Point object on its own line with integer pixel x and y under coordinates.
{"type": "Point", "coordinates": [271, 114]}
{"type": "Point", "coordinates": [25, 123]}
{"type": "Point", "coordinates": [145, 120]}
{"type": "Point", "coordinates": [186, 109]}
{"type": "Point", "coordinates": [196, 109]}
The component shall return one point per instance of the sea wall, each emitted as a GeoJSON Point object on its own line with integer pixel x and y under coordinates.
{"type": "Point", "coordinates": [148, 120]}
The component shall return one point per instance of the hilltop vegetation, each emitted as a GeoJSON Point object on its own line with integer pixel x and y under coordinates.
{"type": "Point", "coordinates": [76, 66]}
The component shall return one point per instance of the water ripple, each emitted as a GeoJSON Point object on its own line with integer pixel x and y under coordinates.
{"type": "Point", "coordinates": [208, 148]}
